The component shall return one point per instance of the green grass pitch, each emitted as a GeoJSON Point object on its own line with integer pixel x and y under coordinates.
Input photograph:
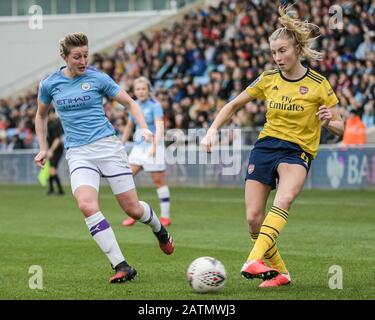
{"type": "Point", "coordinates": [325, 228]}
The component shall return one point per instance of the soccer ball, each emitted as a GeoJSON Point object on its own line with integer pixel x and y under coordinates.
{"type": "Point", "coordinates": [206, 274]}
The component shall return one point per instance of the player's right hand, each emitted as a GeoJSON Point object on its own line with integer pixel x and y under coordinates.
{"type": "Point", "coordinates": [40, 158]}
{"type": "Point", "coordinates": [324, 115]}
{"type": "Point", "coordinates": [147, 135]}
{"type": "Point", "coordinates": [209, 140]}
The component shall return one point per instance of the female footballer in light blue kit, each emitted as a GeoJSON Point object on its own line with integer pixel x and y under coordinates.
{"type": "Point", "coordinates": [145, 155]}
{"type": "Point", "coordinates": [93, 150]}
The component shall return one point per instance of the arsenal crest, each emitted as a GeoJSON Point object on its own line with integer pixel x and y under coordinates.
{"type": "Point", "coordinates": [303, 90]}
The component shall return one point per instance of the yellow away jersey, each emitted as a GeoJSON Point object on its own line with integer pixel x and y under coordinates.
{"type": "Point", "coordinates": [292, 106]}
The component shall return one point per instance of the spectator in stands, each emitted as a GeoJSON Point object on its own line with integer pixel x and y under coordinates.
{"type": "Point", "coordinates": [365, 48]}
{"type": "Point", "coordinates": [355, 130]}
{"type": "Point", "coordinates": [24, 132]}
{"type": "Point", "coordinates": [198, 65]}
{"type": "Point", "coordinates": [368, 116]}
{"type": "Point", "coordinates": [3, 123]}
{"type": "Point", "coordinates": [179, 68]}
{"type": "Point", "coordinates": [16, 143]}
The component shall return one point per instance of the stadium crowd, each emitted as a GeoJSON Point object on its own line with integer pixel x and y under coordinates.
{"type": "Point", "coordinates": [208, 58]}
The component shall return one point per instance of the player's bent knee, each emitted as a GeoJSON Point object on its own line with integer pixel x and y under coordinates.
{"type": "Point", "coordinates": [134, 210]}
{"type": "Point", "coordinates": [284, 201]}
{"type": "Point", "coordinates": [160, 184]}
{"type": "Point", "coordinates": [254, 219]}
{"type": "Point", "coordinates": [88, 207]}
{"type": "Point", "coordinates": [159, 181]}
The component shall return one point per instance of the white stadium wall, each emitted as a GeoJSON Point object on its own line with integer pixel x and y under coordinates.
{"type": "Point", "coordinates": [27, 54]}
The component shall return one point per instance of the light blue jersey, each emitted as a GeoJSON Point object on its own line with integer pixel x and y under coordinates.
{"type": "Point", "coordinates": [151, 110]}
{"type": "Point", "coordinates": [79, 103]}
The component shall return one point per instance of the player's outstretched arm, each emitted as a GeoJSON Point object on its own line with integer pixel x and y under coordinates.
{"type": "Point", "coordinates": [126, 100]}
{"type": "Point", "coordinates": [41, 133]}
{"type": "Point", "coordinates": [331, 119]}
{"type": "Point", "coordinates": [224, 115]}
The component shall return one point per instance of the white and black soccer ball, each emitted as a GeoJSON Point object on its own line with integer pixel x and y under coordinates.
{"type": "Point", "coordinates": [206, 274]}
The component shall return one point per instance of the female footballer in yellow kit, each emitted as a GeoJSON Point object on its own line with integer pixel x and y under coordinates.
{"type": "Point", "coordinates": [299, 102]}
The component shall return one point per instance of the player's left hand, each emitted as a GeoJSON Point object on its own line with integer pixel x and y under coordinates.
{"type": "Point", "coordinates": [324, 115]}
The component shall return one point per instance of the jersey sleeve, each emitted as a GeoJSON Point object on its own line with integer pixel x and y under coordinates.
{"type": "Point", "coordinates": [43, 93]}
{"type": "Point", "coordinates": [327, 95]}
{"type": "Point", "coordinates": [256, 88]}
{"type": "Point", "coordinates": [109, 87]}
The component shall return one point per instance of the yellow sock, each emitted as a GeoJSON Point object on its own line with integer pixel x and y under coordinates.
{"type": "Point", "coordinates": [272, 255]}
{"type": "Point", "coordinates": [273, 224]}
{"type": "Point", "coordinates": [254, 237]}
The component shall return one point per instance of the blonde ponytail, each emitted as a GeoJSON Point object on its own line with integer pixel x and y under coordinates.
{"type": "Point", "coordinates": [302, 33]}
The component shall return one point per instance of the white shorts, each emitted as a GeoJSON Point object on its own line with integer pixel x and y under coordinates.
{"type": "Point", "coordinates": [139, 157]}
{"type": "Point", "coordinates": [105, 158]}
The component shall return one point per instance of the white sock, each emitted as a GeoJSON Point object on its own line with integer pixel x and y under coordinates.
{"type": "Point", "coordinates": [164, 199]}
{"type": "Point", "coordinates": [149, 217]}
{"type": "Point", "coordinates": [104, 236]}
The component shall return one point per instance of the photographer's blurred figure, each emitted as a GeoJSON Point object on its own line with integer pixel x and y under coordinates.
{"type": "Point", "coordinates": [55, 150]}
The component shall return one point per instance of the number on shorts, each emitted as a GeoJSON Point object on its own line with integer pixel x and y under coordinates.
{"type": "Point", "coordinates": [304, 157]}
